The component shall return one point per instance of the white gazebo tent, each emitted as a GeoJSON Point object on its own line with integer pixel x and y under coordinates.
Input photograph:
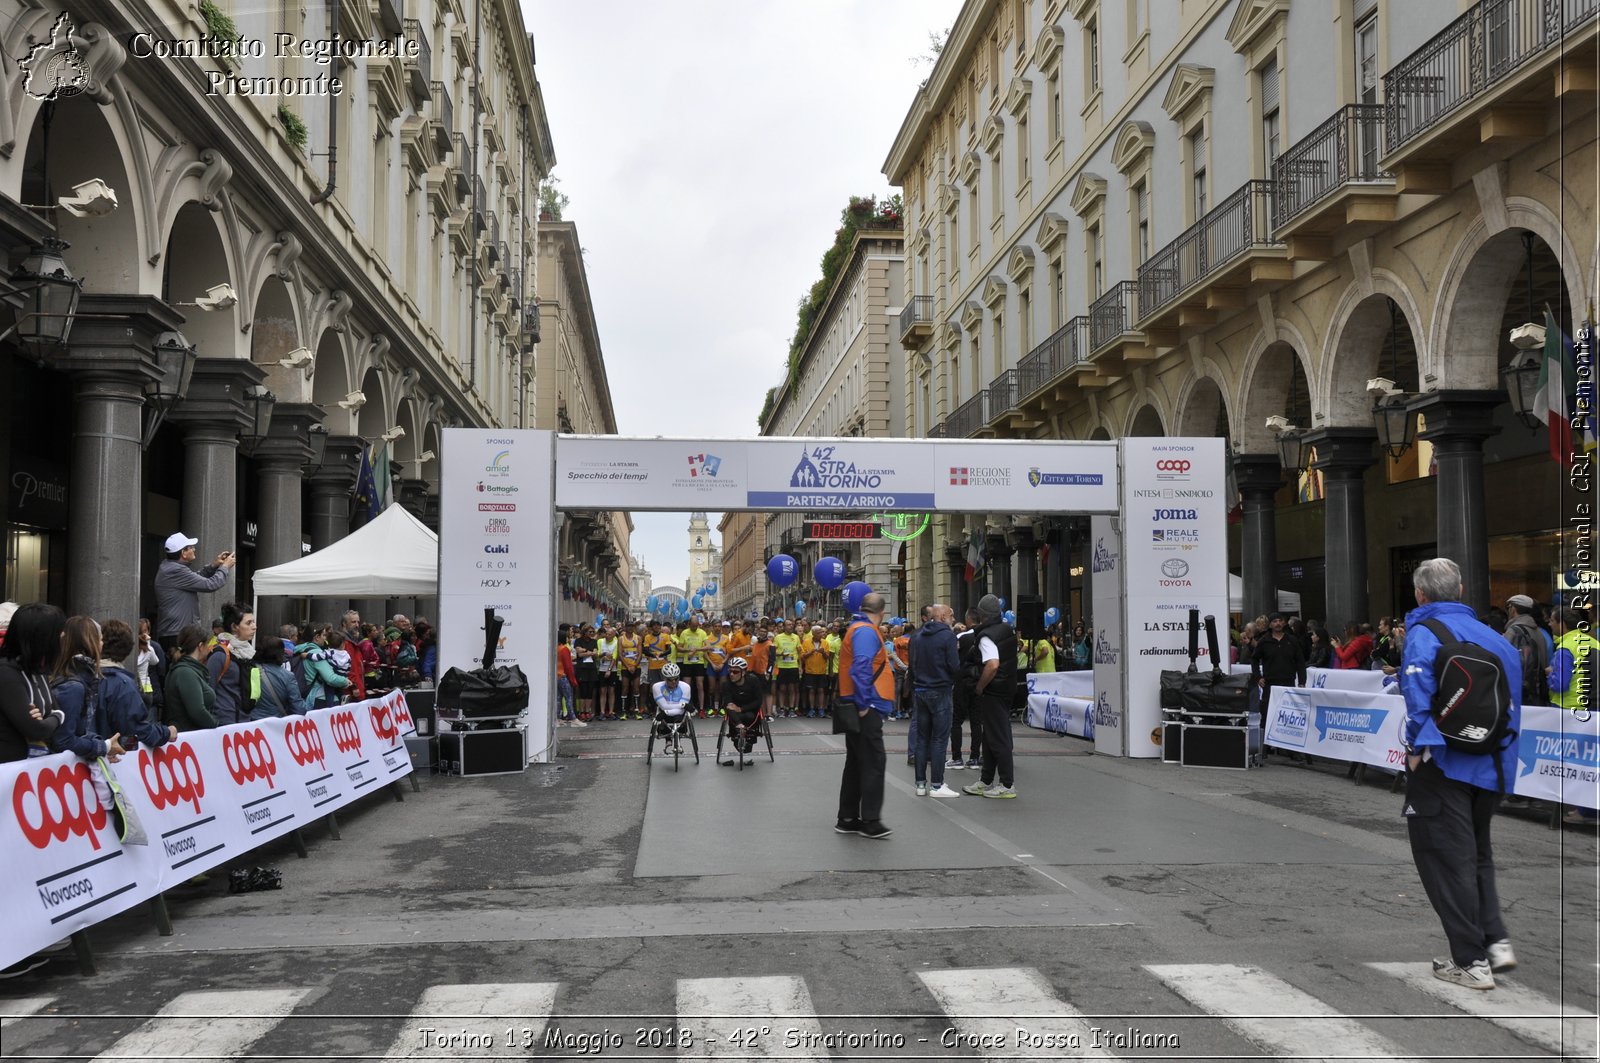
{"type": "Point", "coordinates": [394, 555]}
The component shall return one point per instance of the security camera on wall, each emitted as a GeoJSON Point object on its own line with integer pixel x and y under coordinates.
{"type": "Point", "coordinates": [352, 402]}
{"type": "Point", "coordinates": [91, 199]}
{"type": "Point", "coordinates": [1381, 385]}
{"type": "Point", "coordinates": [218, 297]}
{"type": "Point", "coordinates": [299, 358]}
{"type": "Point", "coordinates": [1528, 337]}
{"type": "Point", "coordinates": [1279, 424]}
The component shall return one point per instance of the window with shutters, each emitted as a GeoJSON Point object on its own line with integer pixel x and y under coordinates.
{"type": "Point", "coordinates": [1271, 114]}
{"type": "Point", "coordinates": [1141, 219]}
{"type": "Point", "coordinates": [1197, 168]}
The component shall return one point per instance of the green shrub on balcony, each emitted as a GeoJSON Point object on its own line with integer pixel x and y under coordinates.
{"type": "Point", "coordinates": [293, 127]}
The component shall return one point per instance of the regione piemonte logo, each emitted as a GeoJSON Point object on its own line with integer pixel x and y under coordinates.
{"type": "Point", "coordinates": [958, 477]}
{"type": "Point", "coordinates": [55, 69]}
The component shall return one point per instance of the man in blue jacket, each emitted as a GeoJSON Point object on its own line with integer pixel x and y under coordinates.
{"type": "Point", "coordinates": [866, 682]}
{"type": "Point", "coordinates": [934, 666]}
{"type": "Point", "coordinates": [1451, 795]}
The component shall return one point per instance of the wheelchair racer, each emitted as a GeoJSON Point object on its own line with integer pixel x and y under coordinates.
{"type": "Point", "coordinates": [742, 698]}
{"type": "Point", "coordinates": [674, 700]}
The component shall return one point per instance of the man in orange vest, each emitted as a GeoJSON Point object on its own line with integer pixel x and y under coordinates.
{"type": "Point", "coordinates": [866, 680]}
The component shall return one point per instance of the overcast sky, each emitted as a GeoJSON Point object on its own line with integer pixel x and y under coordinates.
{"type": "Point", "coordinates": [707, 147]}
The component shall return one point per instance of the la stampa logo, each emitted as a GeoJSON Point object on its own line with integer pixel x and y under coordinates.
{"type": "Point", "coordinates": [55, 69]}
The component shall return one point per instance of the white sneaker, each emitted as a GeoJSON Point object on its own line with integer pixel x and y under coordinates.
{"type": "Point", "coordinates": [943, 790]}
{"type": "Point", "coordinates": [1474, 976]}
{"type": "Point", "coordinates": [1501, 958]}
{"type": "Point", "coordinates": [577, 722]}
{"type": "Point", "coordinates": [922, 789]}
{"type": "Point", "coordinates": [1000, 791]}
{"type": "Point", "coordinates": [976, 789]}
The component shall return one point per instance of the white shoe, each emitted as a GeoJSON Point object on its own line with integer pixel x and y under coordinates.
{"type": "Point", "coordinates": [1474, 976]}
{"type": "Point", "coordinates": [942, 790]}
{"type": "Point", "coordinates": [1000, 791]}
{"type": "Point", "coordinates": [1501, 958]}
{"type": "Point", "coordinates": [976, 789]}
{"type": "Point", "coordinates": [577, 722]}
{"type": "Point", "coordinates": [922, 789]}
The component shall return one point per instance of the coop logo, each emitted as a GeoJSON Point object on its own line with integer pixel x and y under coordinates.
{"type": "Point", "coordinates": [61, 804]}
{"type": "Point", "coordinates": [501, 465]}
{"type": "Point", "coordinates": [248, 756]}
{"type": "Point", "coordinates": [497, 489]}
{"type": "Point", "coordinates": [171, 775]}
{"type": "Point", "coordinates": [1175, 514]}
{"type": "Point", "coordinates": [496, 507]}
{"type": "Point", "coordinates": [704, 465]}
{"type": "Point", "coordinates": [979, 476]}
{"type": "Point", "coordinates": [383, 723]}
{"type": "Point", "coordinates": [1173, 468]}
{"type": "Point", "coordinates": [1104, 652]}
{"type": "Point", "coordinates": [55, 69]}
{"type": "Point", "coordinates": [497, 526]}
{"type": "Point", "coordinates": [1064, 479]}
{"type": "Point", "coordinates": [497, 548]}
{"type": "Point", "coordinates": [1104, 714]}
{"type": "Point", "coordinates": [346, 735]}
{"type": "Point", "coordinates": [1103, 560]}
{"type": "Point", "coordinates": [402, 712]}
{"type": "Point", "coordinates": [304, 739]}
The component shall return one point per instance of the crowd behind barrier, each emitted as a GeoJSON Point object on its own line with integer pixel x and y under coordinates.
{"type": "Point", "coordinates": [208, 797]}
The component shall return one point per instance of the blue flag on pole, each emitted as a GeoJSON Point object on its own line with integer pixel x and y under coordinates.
{"type": "Point", "coordinates": [367, 486]}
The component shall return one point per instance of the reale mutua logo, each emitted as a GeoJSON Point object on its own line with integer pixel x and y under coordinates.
{"type": "Point", "coordinates": [55, 69]}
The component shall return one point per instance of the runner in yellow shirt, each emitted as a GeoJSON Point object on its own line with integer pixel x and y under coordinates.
{"type": "Point", "coordinates": [629, 649]}
{"type": "Point", "coordinates": [786, 647]}
{"type": "Point", "coordinates": [658, 651]}
{"type": "Point", "coordinates": [814, 673]}
{"type": "Point", "coordinates": [692, 642]}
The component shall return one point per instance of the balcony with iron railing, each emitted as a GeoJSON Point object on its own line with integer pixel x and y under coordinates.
{"type": "Point", "coordinates": [1111, 322]}
{"type": "Point", "coordinates": [1485, 78]}
{"type": "Point", "coordinates": [491, 237]}
{"type": "Point", "coordinates": [916, 322]}
{"type": "Point", "coordinates": [1206, 268]}
{"type": "Point", "coordinates": [1330, 180]}
{"type": "Point", "coordinates": [480, 205]}
{"type": "Point", "coordinates": [419, 70]}
{"type": "Point", "coordinates": [1004, 397]}
{"type": "Point", "coordinates": [1063, 356]}
{"type": "Point", "coordinates": [461, 165]}
{"type": "Point", "coordinates": [937, 431]}
{"type": "Point", "coordinates": [443, 117]}
{"type": "Point", "coordinates": [970, 418]}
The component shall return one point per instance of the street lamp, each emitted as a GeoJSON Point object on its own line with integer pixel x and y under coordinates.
{"type": "Point", "coordinates": [48, 300]}
{"type": "Point", "coordinates": [317, 434]}
{"type": "Point", "coordinates": [1390, 416]}
{"type": "Point", "coordinates": [175, 358]}
{"type": "Point", "coordinates": [261, 403]}
{"type": "Point", "coordinates": [1521, 378]}
{"type": "Point", "coordinates": [1292, 451]}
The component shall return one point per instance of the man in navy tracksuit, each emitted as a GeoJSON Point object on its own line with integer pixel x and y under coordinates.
{"type": "Point", "coordinates": [1451, 795]}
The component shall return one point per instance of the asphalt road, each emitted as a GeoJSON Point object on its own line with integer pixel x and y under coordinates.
{"type": "Point", "coordinates": [600, 907]}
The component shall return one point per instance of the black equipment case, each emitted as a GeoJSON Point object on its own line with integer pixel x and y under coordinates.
{"type": "Point", "coordinates": [485, 692]}
{"type": "Point", "coordinates": [1206, 715]}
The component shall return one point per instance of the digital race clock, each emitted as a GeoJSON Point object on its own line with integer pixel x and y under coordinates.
{"type": "Point", "coordinates": [842, 530]}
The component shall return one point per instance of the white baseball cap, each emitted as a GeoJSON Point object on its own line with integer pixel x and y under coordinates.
{"type": "Point", "coordinates": [178, 541]}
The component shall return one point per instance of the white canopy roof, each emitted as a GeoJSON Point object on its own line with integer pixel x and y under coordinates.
{"type": "Point", "coordinates": [1288, 601]}
{"type": "Point", "coordinates": [394, 555]}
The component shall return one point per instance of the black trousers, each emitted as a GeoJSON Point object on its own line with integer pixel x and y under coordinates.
{"type": "Point", "coordinates": [861, 786]}
{"type": "Point", "coordinates": [1448, 822]}
{"type": "Point", "coordinates": [964, 711]}
{"type": "Point", "coordinates": [995, 715]}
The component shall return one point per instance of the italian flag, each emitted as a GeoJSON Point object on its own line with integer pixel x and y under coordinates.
{"type": "Point", "coordinates": [1556, 373]}
{"type": "Point", "coordinates": [974, 556]}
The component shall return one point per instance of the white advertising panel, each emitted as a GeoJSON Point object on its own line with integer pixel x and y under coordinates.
{"type": "Point", "coordinates": [1110, 690]}
{"type": "Point", "coordinates": [605, 472]}
{"type": "Point", "coordinates": [496, 550]}
{"type": "Point", "coordinates": [203, 800]}
{"type": "Point", "coordinates": [1033, 476]}
{"type": "Point", "coordinates": [1175, 547]}
{"type": "Point", "coordinates": [1558, 756]}
{"type": "Point", "coordinates": [1062, 702]}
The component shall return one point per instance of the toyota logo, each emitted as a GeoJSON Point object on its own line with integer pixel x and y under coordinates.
{"type": "Point", "coordinates": [1174, 567]}
{"type": "Point", "coordinates": [346, 735]}
{"type": "Point", "coordinates": [248, 756]}
{"type": "Point", "coordinates": [304, 739]}
{"type": "Point", "coordinates": [1173, 465]}
{"type": "Point", "coordinates": [382, 722]}
{"type": "Point", "coordinates": [61, 804]}
{"type": "Point", "coordinates": [171, 775]}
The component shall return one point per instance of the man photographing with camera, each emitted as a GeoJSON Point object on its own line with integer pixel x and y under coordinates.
{"type": "Point", "coordinates": [178, 587]}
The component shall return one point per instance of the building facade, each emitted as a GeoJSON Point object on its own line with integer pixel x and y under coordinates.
{"type": "Point", "coordinates": [348, 235]}
{"type": "Point", "coordinates": [705, 563]}
{"type": "Point", "coordinates": [564, 388]}
{"type": "Point", "coordinates": [848, 381]}
{"type": "Point", "coordinates": [1128, 218]}
{"type": "Point", "coordinates": [742, 590]}
{"type": "Point", "coordinates": [638, 586]}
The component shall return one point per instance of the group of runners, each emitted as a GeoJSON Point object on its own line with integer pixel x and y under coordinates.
{"type": "Point", "coordinates": [617, 667]}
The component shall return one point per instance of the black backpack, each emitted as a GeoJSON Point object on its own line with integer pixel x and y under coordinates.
{"type": "Point", "coordinates": [1472, 705]}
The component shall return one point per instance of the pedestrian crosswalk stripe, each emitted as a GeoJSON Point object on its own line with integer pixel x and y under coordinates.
{"type": "Point", "coordinates": [22, 1007]}
{"type": "Point", "coordinates": [988, 1006]}
{"type": "Point", "coordinates": [713, 1009]}
{"type": "Point", "coordinates": [207, 1024]}
{"type": "Point", "coordinates": [1272, 1013]}
{"type": "Point", "coordinates": [472, 1018]}
{"type": "Point", "coordinates": [1532, 1016]}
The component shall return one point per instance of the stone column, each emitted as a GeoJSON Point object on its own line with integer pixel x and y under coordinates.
{"type": "Point", "coordinates": [998, 554]}
{"type": "Point", "coordinates": [280, 460]}
{"type": "Point", "coordinates": [1458, 423]}
{"type": "Point", "coordinates": [111, 364]}
{"type": "Point", "coordinates": [1259, 477]}
{"type": "Point", "coordinates": [213, 416]}
{"type": "Point", "coordinates": [328, 518]}
{"type": "Point", "coordinates": [955, 559]}
{"type": "Point", "coordinates": [1056, 568]}
{"type": "Point", "coordinates": [1343, 457]}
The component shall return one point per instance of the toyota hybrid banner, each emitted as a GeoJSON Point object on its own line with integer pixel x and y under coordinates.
{"type": "Point", "coordinates": [206, 798]}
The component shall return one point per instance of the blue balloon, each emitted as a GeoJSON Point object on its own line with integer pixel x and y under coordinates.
{"type": "Point", "coordinates": [829, 573]}
{"type": "Point", "coordinates": [799, 609]}
{"type": "Point", "coordinates": [854, 591]}
{"type": "Point", "coordinates": [651, 603]}
{"type": "Point", "coordinates": [782, 570]}
{"type": "Point", "coordinates": [1002, 603]}
{"type": "Point", "coordinates": [1052, 616]}
{"type": "Point", "coordinates": [1009, 617]}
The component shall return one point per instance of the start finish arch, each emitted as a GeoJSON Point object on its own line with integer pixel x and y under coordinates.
{"type": "Point", "coordinates": [1159, 531]}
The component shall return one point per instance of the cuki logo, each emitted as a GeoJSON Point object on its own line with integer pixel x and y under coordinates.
{"type": "Point", "coordinates": [248, 756]}
{"type": "Point", "coordinates": [304, 739]}
{"type": "Point", "coordinates": [346, 735]}
{"type": "Point", "coordinates": [383, 722]}
{"type": "Point", "coordinates": [171, 775]}
{"type": "Point", "coordinates": [62, 803]}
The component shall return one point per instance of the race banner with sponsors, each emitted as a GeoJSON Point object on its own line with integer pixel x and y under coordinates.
{"type": "Point", "coordinates": [496, 551]}
{"type": "Point", "coordinates": [1558, 756]}
{"type": "Point", "coordinates": [1007, 476]}
{"type": "Point", "coordinates": [206, 798]}
{"type": "Point", "coordinates": [1175, 556]}
{"type": "Point", "coordinates": [1062, 702]}
{"type": "Point", "coordinates": [1110, 693]}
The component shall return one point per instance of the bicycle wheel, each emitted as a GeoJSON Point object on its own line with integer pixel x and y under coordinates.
{"type": "Point", "coordinates": [650, 745]}
{"type": "Point", "coordinates": [694, 742]}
